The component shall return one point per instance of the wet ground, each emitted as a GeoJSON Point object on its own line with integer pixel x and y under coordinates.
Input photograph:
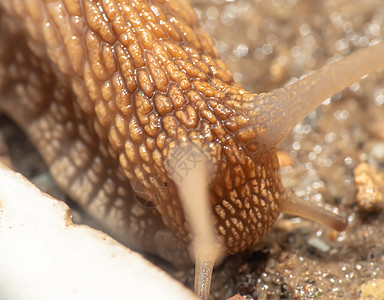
{"type": "Point", "coordinates": [266, 44]}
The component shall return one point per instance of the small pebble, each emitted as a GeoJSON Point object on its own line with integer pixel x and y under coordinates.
{"type": "Point", "coordinates": [369, 185]}
{"type": "Point", "coordinates": [319, 244]}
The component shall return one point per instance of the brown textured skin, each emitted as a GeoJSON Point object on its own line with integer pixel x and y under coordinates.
{"type": "Point", "coordinates": [106, 88]}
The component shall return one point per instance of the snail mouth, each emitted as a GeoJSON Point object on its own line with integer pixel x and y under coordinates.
{"type": "Point", "coordinates": [271, 116]}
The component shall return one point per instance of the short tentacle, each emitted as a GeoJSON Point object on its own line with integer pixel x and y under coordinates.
{"type": "Point", "coordinates": [302, 208]}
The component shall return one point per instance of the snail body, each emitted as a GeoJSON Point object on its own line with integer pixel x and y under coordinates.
{"type": "Point", "coordinates": [135, 117]}
{"type": "Point", "coordinates": [124, 99]}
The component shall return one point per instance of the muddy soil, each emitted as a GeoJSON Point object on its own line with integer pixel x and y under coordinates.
{"type": "Point", "coordinates": [268, 44]}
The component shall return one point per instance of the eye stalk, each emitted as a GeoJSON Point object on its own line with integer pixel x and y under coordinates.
{"type": "Point", "coordinates": [277, 112]}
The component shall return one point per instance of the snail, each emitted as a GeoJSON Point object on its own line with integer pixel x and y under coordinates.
{"type": "Point", "coordinates": [141, 123]}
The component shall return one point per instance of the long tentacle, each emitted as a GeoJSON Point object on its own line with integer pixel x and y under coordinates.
{"type": "Point", "coordinates": [280, 110]}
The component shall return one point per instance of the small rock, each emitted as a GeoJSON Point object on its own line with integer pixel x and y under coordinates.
{"type": "Point", "coordinates": [373, 289]}
{"type": "Point", "coordinates": [237, 297]}
{"type": "Point", "coordinates": [368, 181]}
{"type": "Point", "coordinates": [319, 244]}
